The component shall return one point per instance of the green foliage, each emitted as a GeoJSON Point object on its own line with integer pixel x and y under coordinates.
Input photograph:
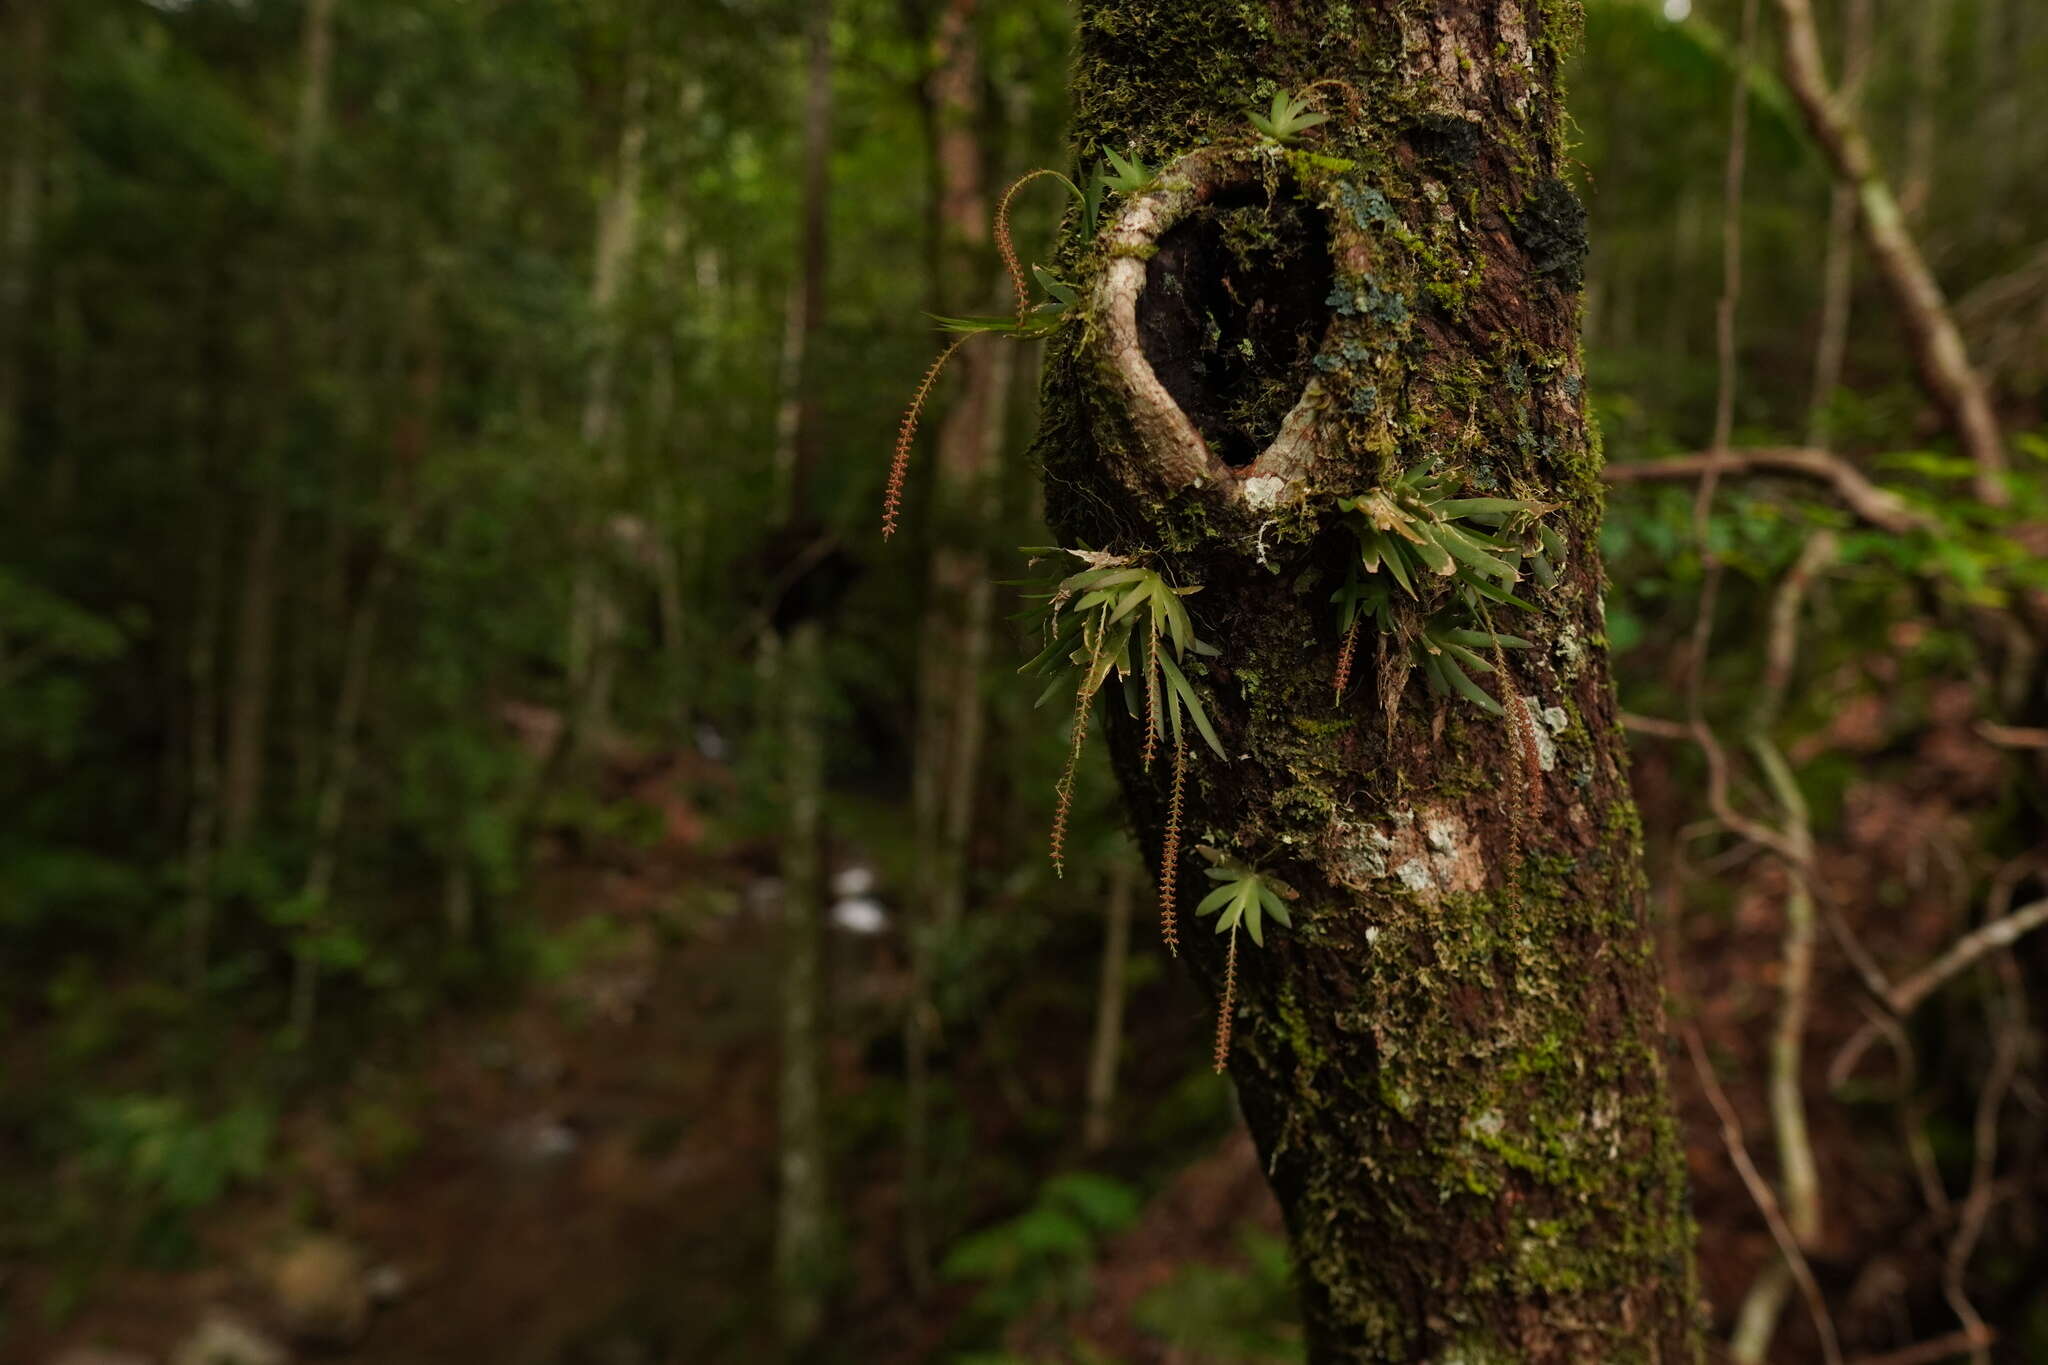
{"type": "Point", "coordinates": [1215, 1315]}
{"type": "Point", "coordinates": [156, 1149]}
{"type": "Point", "coordinates": [1037, 320]}
{"type": "Point", "coordinates": [1451, 557]}
{"type": "Point", "coordinates": [159, 1163]}
{"type": "Point", "coordinates": [1415, 529]}
{"type": "Point", "coordinates": [1114, 616]}
{"type": "Point", "coordinates": [1126, 174]}
{"type": "Point", "coordinates": [1117, 615]}
{"type": "Point", "coordinates": [1040, 1258]}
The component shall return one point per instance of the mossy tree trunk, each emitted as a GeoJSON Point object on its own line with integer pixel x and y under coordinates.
{"type": "Point", "coordinates": [1453, 1064]}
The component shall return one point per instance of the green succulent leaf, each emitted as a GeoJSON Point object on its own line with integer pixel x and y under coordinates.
{"type": "Point", "coordinates": [1287, 119]}
{"type": "Point", "coordinates": [1244, 897]}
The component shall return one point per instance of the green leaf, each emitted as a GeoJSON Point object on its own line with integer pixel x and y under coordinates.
{"type": "Point", "coordinates": [1058, 290]}
{"type": "Point", "coordinates": [1128, 174]}
{"type": "Point", "coordinates": [1392, 559]}
{"type": "Point", "coordinates": [1179, 685]}
{"type": "Point", "coordinates": [1431, 551]}
{"type": "Point", "coordinates": [1465, 687]}
{"type": "Point", "coordinates": [1472, 553]}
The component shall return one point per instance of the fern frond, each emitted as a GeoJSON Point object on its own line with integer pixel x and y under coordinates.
{"type": "Point", "coordinates": [1227, 1011]}
{"type": "Point", "coordinates": [1169, 853]}
{"type": "Point", "coordinates": [906, 434]}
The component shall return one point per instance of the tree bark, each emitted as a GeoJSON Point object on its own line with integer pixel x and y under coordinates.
{"type": "Point", "coordinates": [1453, 1063]}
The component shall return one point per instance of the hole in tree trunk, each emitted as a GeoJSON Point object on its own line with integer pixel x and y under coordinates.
{"type": "Point", "coordinates": [1233, 310]}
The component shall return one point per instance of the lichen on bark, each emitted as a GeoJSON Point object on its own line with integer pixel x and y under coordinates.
{"type": "Point", "coordinates": [1453, 1064]}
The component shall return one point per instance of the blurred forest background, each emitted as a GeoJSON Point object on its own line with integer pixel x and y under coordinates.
{"type": "Point", "coordinates": [499, 861]}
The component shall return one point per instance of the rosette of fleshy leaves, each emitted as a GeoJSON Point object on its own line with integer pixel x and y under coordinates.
{"type": "Point", "coordinates": [1243, 898]}
{"type": "Point", "coordinates": [1452, 558]}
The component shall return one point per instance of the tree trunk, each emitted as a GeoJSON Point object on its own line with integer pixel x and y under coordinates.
{"type": "Point", "coordinates": [1923, 114]}
{"type": "Point", "coordinates": [1453, 1063]}
{"type": "Point", "coordinates": [792, 671]}
{"type": "Point", "coordinates": [595, 615]}
{"type": "Point", "coordinates": [256, 631]}
{"type": "Point", "coordinates": [954, 625]}
{"type": "Point", "coordinates": [1832, 343]}
{"type": "Point", "coordinates": [1106, 1050]}
{"type": "Point", "coordinates": [28, 33]}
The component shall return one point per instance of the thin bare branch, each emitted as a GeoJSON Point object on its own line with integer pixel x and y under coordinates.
{"type": "Point", "coordinates": [1932, 1351]}
{"type": "Point", "coordinates": [1907, 996]}
{"type": "Point", "coordinates": [1655, 726]}
{"type": "Point", "coordinates": [1766, 1202]}
{"type": "Point", "coordinates": [1880, 507]}
{"type": "Point", "coordinates": [1782, 642]}
{"type": "Point", "coordinates": [2013, 736]}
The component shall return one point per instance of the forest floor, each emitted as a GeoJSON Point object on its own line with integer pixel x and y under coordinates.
{"type": "Point", "coordinates": [586, 1174]}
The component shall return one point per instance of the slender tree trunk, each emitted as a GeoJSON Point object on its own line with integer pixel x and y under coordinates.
{"type": "Point", "coordinates": [803, 1232]}
{"type": "Point", "coordinates": [676, 498]}
{"type": "Point", "coordinates": [1923, 115]}
{"type": "Point", "coordinates": [1832, 344]}
{"type": "Point", "coordinates": [803, 1224]}
{"type": "Point", "coordinates": [1105, 1052]}
{"type": "Point", "coordinates": [202, 645]}
{"type": "Point", "coordinates": [344, 754]}
{"type": "Point", "coordinates": [1453, 1064]}
{"type": "Point", "coordinates": [954, 626]}
{"type": "Point", "coordinates": [410, 439]}
{"type": "Point", "coordinates": [595, 616]}
{"type": "Point", "coordinates": [28, 34]}
{"type": "Point", "coordinates": [256, 631]}
{"type": "Point", "coordinates": [1938, 351]}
